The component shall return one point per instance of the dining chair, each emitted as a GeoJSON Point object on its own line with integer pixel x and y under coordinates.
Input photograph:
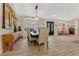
{"type": "Point", "coordinates": [28, 36]}
{"type": "Point", "coordinates": [43, 36]}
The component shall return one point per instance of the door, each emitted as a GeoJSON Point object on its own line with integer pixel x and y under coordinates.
{"type": "Point", "coordinates": [50, 26]}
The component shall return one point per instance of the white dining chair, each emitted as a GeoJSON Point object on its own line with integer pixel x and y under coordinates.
{"type": "Point", "coordinates": [28, 35]}
{"type": "Point", "coordinates": [43, 36]}
{"type": "Point", "coordinates": [30, 39]}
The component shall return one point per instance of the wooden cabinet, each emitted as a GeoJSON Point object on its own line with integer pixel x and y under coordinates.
{"type": "Point", "coordinates": [7, 41]}
{"type": "Point", "coordinates": [71, 31]}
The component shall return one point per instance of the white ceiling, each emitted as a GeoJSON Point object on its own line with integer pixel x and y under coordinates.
{"type": "Point", "coordinates": [48, 10]}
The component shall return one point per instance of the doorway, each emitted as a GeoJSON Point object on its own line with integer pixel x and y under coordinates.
{"type": "Point", "coordinates": [50, 26]}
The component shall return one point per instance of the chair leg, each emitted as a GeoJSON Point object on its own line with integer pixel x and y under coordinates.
{"type": "Point", "coordinates": [47, 46]}
{"type": "Point", "coordinates": [3, 48]}
{"type": "Point", "coordinates": [11, 46]}
{"type": "Point", "coordinates": [29, 43]}
{"type": "Point", "coordinates": [28, 40]}
{"type": "Point", "coordinates": [39, 47]}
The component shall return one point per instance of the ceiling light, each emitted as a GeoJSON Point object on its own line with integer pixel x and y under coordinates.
{"type": "Point", "coordinates": [36, 16]}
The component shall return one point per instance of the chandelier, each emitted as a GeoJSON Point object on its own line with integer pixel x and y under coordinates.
{"type": "Point", "coordinates": [36, 16]}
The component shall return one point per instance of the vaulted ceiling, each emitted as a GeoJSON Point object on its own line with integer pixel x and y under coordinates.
{"type": "Point", "coordinates": [48, 10]}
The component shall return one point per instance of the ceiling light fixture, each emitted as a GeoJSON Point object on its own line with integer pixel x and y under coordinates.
{"type": "Point", "coordinates": [36, 16]}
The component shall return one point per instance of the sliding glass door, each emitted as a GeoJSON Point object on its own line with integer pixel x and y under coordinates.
{"type": "Point", "coordinates": [50, 26]}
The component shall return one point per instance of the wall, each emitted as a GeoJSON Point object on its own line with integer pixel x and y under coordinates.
{"type": "Point", "coordinates": [67, 23]}
{"type": "Point", "coordinates": [35, 24]}
{"type": "Point", "coordinates": [20, 22]}
{"type": "Point", "coordinates": [0, 28]}
{"type": "Point", "coordinates": [76, 21]}
{"type": "Point", "coordinates": [0, 15]}
{"type": "Point", "coordinates": [2, 31]}
{"type": "Point", "coordinates": [30, 22]}
{"type": "Point", "coordinates": [77, 29]}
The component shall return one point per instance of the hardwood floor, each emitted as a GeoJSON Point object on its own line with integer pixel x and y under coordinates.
{"type": "Point", "coordinates": [58, 46]}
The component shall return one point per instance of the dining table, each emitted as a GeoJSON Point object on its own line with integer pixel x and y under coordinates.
{"type": "Point", "coordinates": [34, 34]}
{"type": "Point", "coordinates": [34, 37]}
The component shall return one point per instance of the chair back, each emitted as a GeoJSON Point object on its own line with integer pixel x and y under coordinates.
{"type": "Point", "coordinates": [43, 35]}
{"type": "Point", "coordinates": [28, 31]}
{"type": "Point", "coordinates": [28, 34]}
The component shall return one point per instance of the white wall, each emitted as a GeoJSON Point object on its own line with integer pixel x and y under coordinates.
{"type": "Point", "coordinates": [42, 23]}
{"type": "Point", "coordinates": [35, 24]}
{"type": "Point", "coordinates": [0, 28]}
{"type": "Point", "coordinates": [30, 22]}
{"type": "Point", "coordinates": [20, 22]}
{"type": "Point", "coordinates": [67, 23]}
{"type": "Point", "coordinates": [0, 15]}
{"type": "Point", "coordinates": [76, 21]}
{"type": "Point", "coordinates": [2, 31]}
{"type": "Point", "coordinates": [77, 28]}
